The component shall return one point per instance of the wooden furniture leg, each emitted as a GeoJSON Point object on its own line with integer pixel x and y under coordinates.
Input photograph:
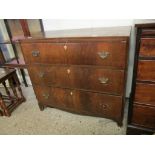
{"type": "Point", "coordinates": [7, 90]}
{"type": "Point", "coordinates": [13, 97]}
{"type": "Point", "coordinates": [41, 106]}
{"type": "Point", "coordinates": [1, 113]}
{"type": "Point", "coordinates": [12, 85]}
{"type": "Point", "coordinates": [3, 107]}
{"type": "Point", "coordinates": [23, 76]}
{"type": "Point", "coordinates": [18, 86]}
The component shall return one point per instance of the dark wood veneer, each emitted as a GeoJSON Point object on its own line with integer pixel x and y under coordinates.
{"type": "Point", "coordinates": [147, 47]}
{"type": "Point", "coordinates": [145, 94]}
{"type": "Point", "coordinates": [77, 53]}
{"type": "Point", "coordinates": [137, 130]}
{"type": "Point", "coordinates": [81, 101]}
{"type": "Point", "coordinates": [144, 116]}
{"type": "Point", "coordinates": [146, 70]}
{"type": "Point", "coordinates": [141, 115]}
{"type": "Point", "coordinates": [79, 77]}
{"type": "Point", "coordinates": [82, 71]}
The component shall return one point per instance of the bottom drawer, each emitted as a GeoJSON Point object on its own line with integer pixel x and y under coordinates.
{"type": "Point", "coordinates": [143, 116]}
{"type": "Point", "coordinates": [81, 101]}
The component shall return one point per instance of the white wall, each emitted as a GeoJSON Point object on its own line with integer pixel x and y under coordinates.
{"type": "Point", "coordinates": [75, 24]}
{"type": "Point", "coordinates": [62, 24]}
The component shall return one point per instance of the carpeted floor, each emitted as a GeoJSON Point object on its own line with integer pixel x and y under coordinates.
{"type": "Point", "coordinates": [28, 119]}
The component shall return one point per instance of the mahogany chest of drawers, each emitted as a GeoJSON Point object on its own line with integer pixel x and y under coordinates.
{"type": "Point", "coordinates": [142, 101]}
{"type": "Point", "coordinates": [81, 71]}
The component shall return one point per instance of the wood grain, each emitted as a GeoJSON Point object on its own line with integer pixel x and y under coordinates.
{"type": "Point", "coordinates": [148, 32]}
{"type": "Point", "coordinates": [144, 116]}
{"type": "Point", "coordinates": [141, 113]}
{"type": "Point", "coordinates": [145, 94]}
{"type": "Point", "coordinates": [82, 71]}
{"type": "Point", "coordinates": [146, 70]}
{"type": "Point", "coordinates": [77, 53]}
{"type": "Point", "coordinates": [81, 101]}
{"type": "Point", "coordinates": [78, 77]}
{"type": "Point", "coordinates": [147, 47]}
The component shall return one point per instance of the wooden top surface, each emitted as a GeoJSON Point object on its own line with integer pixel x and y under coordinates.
{"type": "Point", "coordinates": [14, 63]}
{"type": "Point", "coordinates": [123, 31]}
{"type": "Point", "coordinates": [5, 72]}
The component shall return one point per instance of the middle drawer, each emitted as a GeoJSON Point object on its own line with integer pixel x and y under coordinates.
{"type": "Point", "coordinates": [80, 77]}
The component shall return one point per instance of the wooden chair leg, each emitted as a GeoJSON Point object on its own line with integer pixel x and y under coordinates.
{"type": "Point", "coordinates": [23, 76]}
{"type": "Point", "coordinates": [1, 113]}
{"type": "Point", "coordinates": [3, 107]}
{"type": "Point", "coordinates": [7, 90]}
{"type": "Point", "coordinates": [13, 97]}
{"type": "Point", "coordinates": [13, 87]}
{"type": "Point", "coordinates": [18, 86]}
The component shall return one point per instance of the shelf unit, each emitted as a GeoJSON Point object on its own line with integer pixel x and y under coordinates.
{"type": "Point", "coordinates": [20, 29]}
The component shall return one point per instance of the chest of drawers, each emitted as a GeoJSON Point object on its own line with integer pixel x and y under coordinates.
{"type": "Point", "coordinates": [142, 101]}
{"type": "Point", "coordinates": [81, 71]}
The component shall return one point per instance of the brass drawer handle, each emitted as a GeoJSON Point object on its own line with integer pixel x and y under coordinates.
{"type": "Point", "coordinates": [103, 55]}
{"type": "Point", "coordinates": [103, 80]}
{"type": "Point", "coordinates": [35, 53]}
{"type": "Point", "coordinates": [46, 96]}
{"type": "Point", "coordinates": [41, 74]}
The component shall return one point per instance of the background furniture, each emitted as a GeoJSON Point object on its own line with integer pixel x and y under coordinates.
{"type": "Point", "coordinates": [141, 118]}
{"type": "Point", "coordinates": [11, 31]}
{"type": "Point", "coordinates": [13, 97]}
{"type": "Point", "coordinates": [82, 71]}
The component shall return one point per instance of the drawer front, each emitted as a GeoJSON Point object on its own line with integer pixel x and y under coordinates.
{"type": "Point", "coordinates": [102, 53]}
{"type": "Point", "coordinates": [144, 116]}
{"type": "Point", "coordinates": [146, 70]}
{"type": "Point", "coordinates": [81, 101]}
{"type": "Point", "coordinates": [99, 104]}
{"type": "Point", "coordinates": [145, 94]}
{"type": "Point", "coordinates": [49, 75]}
{"type": "Point", "coordinates": [148, 32]}
{"type": "Point", "coordinates": [94, 79]}
{"type": "Point", "coordinates": [61, 98]}
{"type": "Point", "coordinates": [147, 47]}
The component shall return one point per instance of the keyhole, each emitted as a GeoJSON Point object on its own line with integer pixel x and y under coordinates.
{"type": "Point", "coordinates": [65, 47]}
{"type": "Point", "coordinates": [68, 71]}
{"type": "Point", "coordinates": [71, 93]}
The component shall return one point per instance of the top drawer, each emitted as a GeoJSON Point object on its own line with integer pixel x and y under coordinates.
{"type": "Point", "coordinates": [147, 47]}
{"type": "Point", "coordinates": [148, 32]}
{"type": "Point", "coordinates": [111, 54]}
